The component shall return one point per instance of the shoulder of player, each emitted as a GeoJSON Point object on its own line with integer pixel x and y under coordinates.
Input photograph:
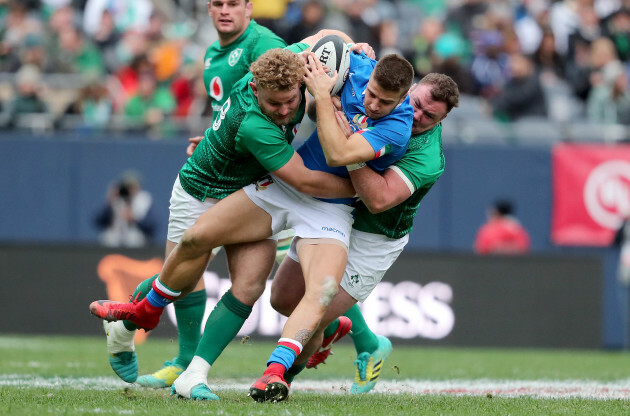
{"type": "Point", "coordinates": [422, 160]}
{"type": "Point", "coordinates": [256, 125]}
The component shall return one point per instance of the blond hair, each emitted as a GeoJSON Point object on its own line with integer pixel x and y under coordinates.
{"type": "Point", "coordinates": [278, 69]}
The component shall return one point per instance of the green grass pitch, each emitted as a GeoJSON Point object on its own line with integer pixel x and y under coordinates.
{"type": "Point", "coordinates": [71, 376]}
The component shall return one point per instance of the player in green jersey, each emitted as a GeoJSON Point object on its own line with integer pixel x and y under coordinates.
{"type": "Point", "coordinates": [383, 221]}
{"type": "Point", "coordinates": [240, 42]}
{"type": "Point", "coordinates": [250, 136]}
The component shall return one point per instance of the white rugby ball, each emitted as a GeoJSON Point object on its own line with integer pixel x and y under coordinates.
{"type": "Point", "coordinates": [333, 52]}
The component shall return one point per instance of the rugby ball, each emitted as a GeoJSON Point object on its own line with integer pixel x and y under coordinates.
{"type": "Point", "coordinates": [333, 52]}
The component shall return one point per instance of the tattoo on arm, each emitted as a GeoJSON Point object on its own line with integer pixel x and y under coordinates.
{"type": "Point", "coordinates": [303, 335]}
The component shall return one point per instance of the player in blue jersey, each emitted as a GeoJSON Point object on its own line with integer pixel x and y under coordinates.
{"type": "Point", "coordinates": [383, 221]}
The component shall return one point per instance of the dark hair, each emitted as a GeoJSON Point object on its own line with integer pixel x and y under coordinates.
{"type": "Point", "coordinates": [393, 73]}
{"type": "Point", "coordinates": [444, 89]}
{"type": "Point", "coordinates": [504, 207]}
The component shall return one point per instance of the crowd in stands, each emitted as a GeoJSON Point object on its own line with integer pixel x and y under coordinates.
{"type": "Point", "coordinates": [137, 65]}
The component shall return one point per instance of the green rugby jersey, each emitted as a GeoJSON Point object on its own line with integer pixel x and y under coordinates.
{"type": "Point", "coordinates": [421, 166]}
{"type": "Point", "coordinates": [224, 65]}
{"type": "Point", "coordinates": [241, 146]}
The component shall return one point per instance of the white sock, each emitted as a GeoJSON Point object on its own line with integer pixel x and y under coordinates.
{"type": "Point", "coordinates": [119, 338]}
{"type": "Point", "coordinates": [199, 365]}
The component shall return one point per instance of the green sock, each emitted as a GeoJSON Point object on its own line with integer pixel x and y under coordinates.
{"type": "Point", "coordinates": [189, 312]}
{"type": "Point", "coordinates": [293, 371]}
{"type": "Point", "coordinates": [364, 339]}
{"type": "Point", "coordinates": [224, 322]}
{"type": "Point", "coordinates": [330, 329]}
{"type": "Point", "coordinates": [141, 291]}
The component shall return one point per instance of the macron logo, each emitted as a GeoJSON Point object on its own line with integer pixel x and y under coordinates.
{"type": "Point", "coordinates": [334, 230]}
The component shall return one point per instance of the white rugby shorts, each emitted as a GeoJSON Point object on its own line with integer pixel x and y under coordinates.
{"type": "Point", "coordinates": [369, 257]}
{"type": "Point", "coordinates": [308, 216]}
{"type": "Point", "coordinates": [184, 210]}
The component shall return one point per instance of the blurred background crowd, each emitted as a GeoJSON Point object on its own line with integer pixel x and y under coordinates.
{"type": "Point", "coordinates": [124, 66]}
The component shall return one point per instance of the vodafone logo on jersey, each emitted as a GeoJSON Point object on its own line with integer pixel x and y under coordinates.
{"type": "Point", "coordinates": [591, 193]}
{"type": "Point", "coordinates": [216, 88]}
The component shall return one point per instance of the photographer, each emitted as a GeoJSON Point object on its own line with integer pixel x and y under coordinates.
{"type": "Point", "coordinates": [127, 219]}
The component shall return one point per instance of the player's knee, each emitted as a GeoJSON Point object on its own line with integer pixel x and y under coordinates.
{"type": "Point", "coordinates": [248, 293]}
{"type": "Point", "coordinates": [195, 242]}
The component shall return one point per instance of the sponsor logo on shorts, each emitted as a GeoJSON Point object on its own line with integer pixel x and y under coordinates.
{"type": "Point", "coordinates": [334, 230]}
{"type": "Point", "coordinates": [263, 183]}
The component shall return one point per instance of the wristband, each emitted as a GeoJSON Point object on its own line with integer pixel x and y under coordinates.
{"type": "Point", "coordinates": [355, 166]}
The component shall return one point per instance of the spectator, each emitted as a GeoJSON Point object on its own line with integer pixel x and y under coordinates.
{"type": "Point", "coordinates": [106, 38]}
{"type": "Point", "coordinates": [151, 104]}
{"type": "Point", "coordinates": [127, 219]}
{"type": "Point", "coordinates": [312, 20]}
{"type": "Point", "coordinates": [617, 27]}
{"type": "Point", "coordinates": [429, 31]}
{"type": "Point", "coordinates": [549, 63]}
{"type": "Point", "coordinates": [15, 27]}
{"type": "Point", "coordinates": [27, 99]}
{"type": "Point", "coordinates": [76, 54]}
{"type": "Point", "coordinates": [468, 17]}
{"type": "Point", "coordinates": [128, 15]}
{"type": "Point", "coordinates": [609, 98]}
{"type": "Point", "coordinates": [490, 63]}
{"type": "Point", "coordinates": [522, 95]}
{"type": "Point", "coordinates": [502, 233]}
{"type": "Point", "coordinates": [448, 59]}
{"type": "Point", "coordinates": [93, 104]}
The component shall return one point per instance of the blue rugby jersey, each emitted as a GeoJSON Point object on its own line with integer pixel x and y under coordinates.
{"type": "Point", "coordinates": [388, 136]}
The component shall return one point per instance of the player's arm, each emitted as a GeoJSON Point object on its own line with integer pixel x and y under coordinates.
{"type": "Point", "coordinates": [312, 40]}
{"type": "Point", "coordinates": [338, 150]}
{"type": "Point", "coordinates": [380, 192]}
{"type": "Point", "coordinates": [312, 182]}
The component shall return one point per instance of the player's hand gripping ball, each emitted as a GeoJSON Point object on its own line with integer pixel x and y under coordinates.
{"type": "Point", "coordinates": [333, 52]}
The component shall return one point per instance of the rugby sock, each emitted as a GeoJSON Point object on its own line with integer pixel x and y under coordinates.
{"type": "Point", "coordinates": [364, 339]}
{"type": "Point", "coordinates": [141, 292]}
{"type": "Point", "coordinates": [161, 295]}
{"type": "Point", "coordinates": [283, 356]}
{"type": "Point", "coordinates": [189, 312]}
{"type": "Point", "coordinates": [330, 329]}
{"type": "Point", "coordinates": [224, 322]}
{"type": "Point", "coordinates": [293, 371]}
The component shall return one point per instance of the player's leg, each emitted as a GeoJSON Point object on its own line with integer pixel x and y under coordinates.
{"type": "Point", "coordinates": [183, 211]}
{"type": "Point", "coordinates": [189, 312]}
{"type": "Point", "coordinates": [322, 265]}
{"type": "Point", "coordinates": [221, 225]}
{"type": "Point", "coordinates": [249, 265]}
{"type": "Point", "coordinates": [370, 256]}
{"type": "Point", "coordinates": [286, 292]}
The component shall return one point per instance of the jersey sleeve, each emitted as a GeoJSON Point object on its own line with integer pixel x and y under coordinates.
{"type": "Point", "coordinates": [265, 141]}
{"type": "Point", "coordinates": [419, 169]}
